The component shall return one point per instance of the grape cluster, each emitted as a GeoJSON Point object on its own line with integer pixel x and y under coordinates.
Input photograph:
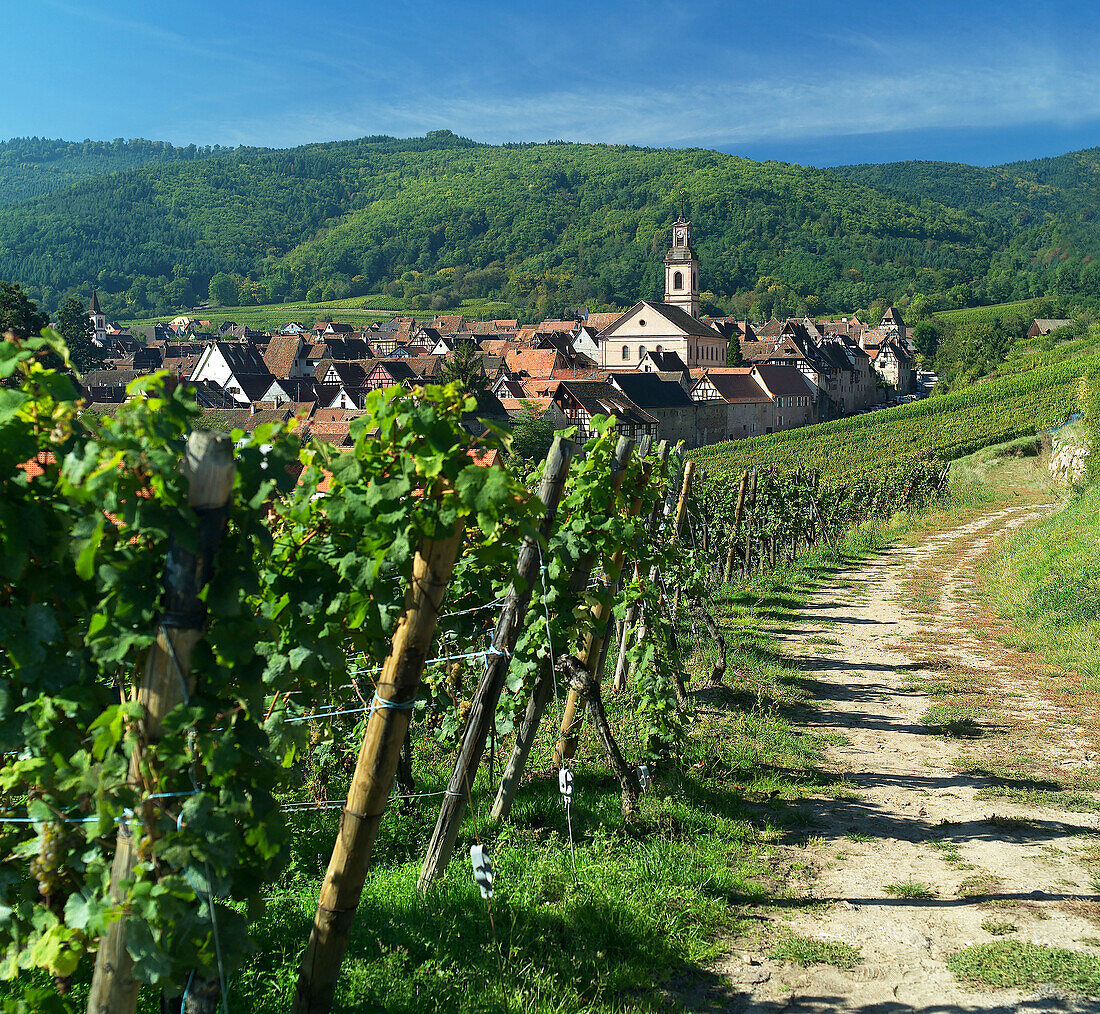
{"type": "Point", "coordinates": [47, 866]}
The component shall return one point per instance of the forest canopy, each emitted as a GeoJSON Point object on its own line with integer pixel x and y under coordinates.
{"type": "Point", "coordinates": [438, 219]}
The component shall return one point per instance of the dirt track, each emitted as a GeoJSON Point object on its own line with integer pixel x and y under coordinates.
{"type": "Point", "coordinates": [917, 817]}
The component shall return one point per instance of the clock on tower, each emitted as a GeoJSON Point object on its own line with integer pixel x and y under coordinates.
{"type": "Point", "coordinates": [682, 270]}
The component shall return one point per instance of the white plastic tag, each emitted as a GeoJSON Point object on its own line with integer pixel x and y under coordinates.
{"type": "Point", "coordinates": [483, 870]}
{"type": "Point", "coordinates": [643, 777]}
{"type": "Point", "coordinates": [565, 784]}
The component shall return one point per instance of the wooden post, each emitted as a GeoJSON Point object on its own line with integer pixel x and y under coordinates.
{"type": "Point", "coordinates": [543, 690]}
{"type": "Point", "coordinates": [373, 778]}
{"type": "Point", "coordinates": [166, 682]}
{"type": "Point", "coordinates": [655, 519]}
{"type": "Point", "coordinates": [727, 571]}
{"type": "Point", "coordinates": [592, 651]}
{"type": "Point", "coordinates": [482, 713]}
{"type": "Point", "coordinates": [750, 528]}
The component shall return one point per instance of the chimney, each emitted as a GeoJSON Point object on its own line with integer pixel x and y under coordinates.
{"type": "Point", "coordinates": [251, 408]}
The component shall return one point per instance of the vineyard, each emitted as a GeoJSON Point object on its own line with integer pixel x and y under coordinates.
{"type": "Point", "coordinates": [1035, 397]}
{"type": "Point", "coordinates": [219, 653]}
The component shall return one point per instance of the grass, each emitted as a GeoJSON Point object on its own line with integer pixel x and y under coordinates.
{"type": "Point", "coordinates": [999, 927]}
{"type": "Point", "coordinates": [1006, 963]}
{"type": "Point", "coordinates": [914, 890]}
{"type": "Point", "coordinates": [980, 885]}
{"type": "Point", "coordinates": [359, 310]}
{"type": "Point", "coordinates": [1046, 580]}
{"type": "Point", "coordinates": [958, 720]}
{"type": "Point", "coordinates": [805, 951]}
{"type": "Point", "coordinates": [984, 314]}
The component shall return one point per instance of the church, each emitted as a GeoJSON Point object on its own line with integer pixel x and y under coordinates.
{"type": "Point", "coordinates": [670, 326]}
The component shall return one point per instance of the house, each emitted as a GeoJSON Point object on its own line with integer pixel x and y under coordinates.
{"type": "Point", "coordinates": [662, 362]}
{"type": "Point", "coordinates": [581, 400]}
{"type": "Point", "coordinates": [892, 322]}
{"type": "Point", "coordinates": [673, 408]}
{"type": "Point", "coordinates": [390, 373]}
{"type": "Point", "coordinates": [661, 327]}
{"type": "Point", "coordinates": [287, 356]}
{"type": "Point", "coordinates": [235, 367]}
{"type": "Point", "coordinates": [894, 365]}
{"type": "Point", "coordinates": [745, 408]}
{"type": "Point", "coordinates": [449, 342]}
{"type": "Point", "coordinates": [294, 327]}
{"type": "Point", "coordinates": [521, 407]}
{"type": "Point", "coordinates": [1041, 327]}
{"type": "Point", "coordinates": [585, 341]}
{"type": "Point", "coordinates": [534, 362]}
{"type": "Point", "coordinates": [790, 393]}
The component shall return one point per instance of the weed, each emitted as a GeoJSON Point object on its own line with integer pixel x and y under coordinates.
{"type": "Point", "coordinates": [912, 889]}
{"type": "Point", "coordinates": [959, 720]}
{"type": "Point", "coordinates": [980, 885]}
{"type": "Point", "coordinates": [999, 927]}
{"type": "Point", "coordinates": [810, 951]}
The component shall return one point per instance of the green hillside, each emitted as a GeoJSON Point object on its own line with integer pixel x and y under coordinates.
{"type": "Point", "coordinates": [538, 226]}
{"type": "Point", "coordinates": [30, 166]}
{"type": "Point", "coordinates": [1028, 397]}
{"type": "Point", "coordinates": [1053, 202]}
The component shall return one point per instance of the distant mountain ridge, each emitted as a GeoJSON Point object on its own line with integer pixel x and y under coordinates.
{"type": "Point", "coordinates": [30, 166]}
{"type": "Point", "coordinates": [545, 226]}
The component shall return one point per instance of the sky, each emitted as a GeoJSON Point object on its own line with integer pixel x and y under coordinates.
{"type": "Point", "coordinates": [815, 83]}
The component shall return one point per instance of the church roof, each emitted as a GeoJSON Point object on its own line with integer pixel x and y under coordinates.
{"type": "Point", "coordinates": [675, 315]}
{"type": "Point", "coordinates": [94, 308]}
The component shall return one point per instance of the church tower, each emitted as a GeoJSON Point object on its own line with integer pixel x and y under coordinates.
{"type": "Point", "coordinates": [99, 321]}
{"type": "Point", "coordinates": [682, 269]}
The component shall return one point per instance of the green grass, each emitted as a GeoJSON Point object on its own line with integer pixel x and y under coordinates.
{"type": "Point", "coordinates": [1006, 963]}
{"type": "Point", "coordinates": [809, 951]}
{"type": "Point", "coordinates": [985, 314]}
{"type": "Point", "coordinates": [959, 720]}
{"type": "Point", "coordinates": [911, 889]}
{"type": "Point", "coordinates": [358, 310]}
{"type": "Point", "coordinates": [999, 927]}
{"type": "Point", "coordinates": [1046, 580]}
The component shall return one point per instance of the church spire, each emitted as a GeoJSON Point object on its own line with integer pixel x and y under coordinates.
{"type": "Point", "coordinates": [682, 268]}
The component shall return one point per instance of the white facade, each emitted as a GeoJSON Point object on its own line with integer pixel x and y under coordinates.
{"type": "Point", "coordinates": [646, 327]}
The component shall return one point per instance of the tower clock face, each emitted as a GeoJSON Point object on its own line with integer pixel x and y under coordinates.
{"type": "Point", "coordinates": [680, 235]}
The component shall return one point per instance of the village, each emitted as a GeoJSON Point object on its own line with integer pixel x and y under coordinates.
{"type": "Point", "coordinates": [661, 368]}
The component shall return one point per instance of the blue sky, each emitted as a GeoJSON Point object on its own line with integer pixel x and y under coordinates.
{"type": "Point", "coordinates": [820, 83]}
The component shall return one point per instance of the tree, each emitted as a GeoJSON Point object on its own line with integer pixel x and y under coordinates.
{"type": "Point", "coordinates": [76, 328]}
{"type": "Point", "coordinates": [18, 313]}
{"type": "Point", "coordinates": [733, 352]}
{"type": "Point", "coordinates": [532, 434]}
{"type": "Point", "coordinates": [466, 367]}
{"type": "Point", "coordinates": [926, 338]}
{"type": "Point", "coordinates": [222, 290]}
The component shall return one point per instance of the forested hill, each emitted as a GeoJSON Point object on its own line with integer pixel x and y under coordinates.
{"type": "Point", "coordinates": [1061, 193]}
{"type": "Point", "coordinates": [37, 165]}
{"type": "Point", "coordinates": [543, 226]}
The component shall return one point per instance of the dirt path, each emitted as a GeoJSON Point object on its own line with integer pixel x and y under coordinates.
{"type": "Point", "coordinates": [918, 819]}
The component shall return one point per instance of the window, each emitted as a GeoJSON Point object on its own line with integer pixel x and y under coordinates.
{"type": "Point", "coordinates": [641, 352]}
{"type": "Point", "coordinates": [641, 323]}
{"type": "Point", "coordinates": [626, 352]}
{"type": "Point", "coordinates": [694, 280]}
{"type": "Point", "coordinates": [659, 350]}
{"type": "Point", "coordinates": [678, 280]}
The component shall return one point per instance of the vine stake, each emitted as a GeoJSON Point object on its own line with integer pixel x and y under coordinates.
{"type": "Point", "coordinates": [210, 469]}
